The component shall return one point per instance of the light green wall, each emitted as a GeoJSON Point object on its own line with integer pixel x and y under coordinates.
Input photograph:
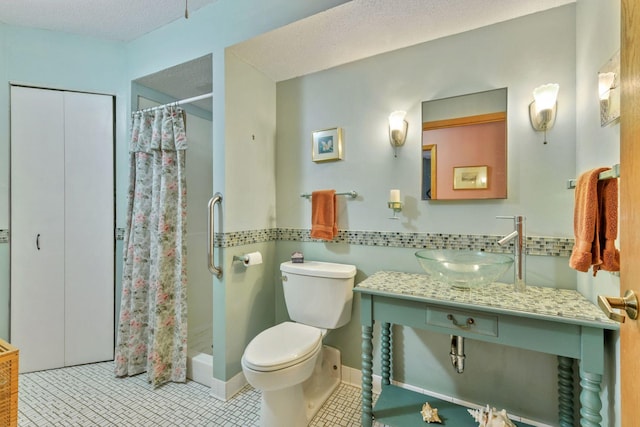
{"type": "Point", "coordinates": [358, 97]}
{"type": "Point", "coordinates": [248, 204]}
{"type": "Point", "coordinates": [250, 140]}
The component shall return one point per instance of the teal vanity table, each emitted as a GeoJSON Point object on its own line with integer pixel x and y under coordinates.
{"type": "Point", "coordinates": [548, 320]}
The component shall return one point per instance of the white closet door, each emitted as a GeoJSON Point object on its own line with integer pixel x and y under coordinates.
{"type": "Point", "coordinates": [37, 219]}
{"type": "Point", "coordinates": [89, 225]}
{"type": "Point", "coordinates": [62, 199]}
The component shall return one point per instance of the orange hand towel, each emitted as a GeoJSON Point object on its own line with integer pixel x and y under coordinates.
{"type": "Point", "coordinates": [608, 229]}
{"type": "Point", "coordinates": [323, 215]}
{"type": "Point", "coordinates": [586, 250]}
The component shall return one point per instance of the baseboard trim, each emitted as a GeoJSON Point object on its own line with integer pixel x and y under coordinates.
{"type": "Point", "coordinates": [225, 390]}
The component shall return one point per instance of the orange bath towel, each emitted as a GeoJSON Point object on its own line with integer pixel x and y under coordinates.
{"type": "Point", "coordinates": [586, 251]}
{"type": "Point", "coordinates": [323, 215]}
{"type": "Point", "coordinates": [608, 229]}
{"type": "Point", "coordinates": [595, 223]}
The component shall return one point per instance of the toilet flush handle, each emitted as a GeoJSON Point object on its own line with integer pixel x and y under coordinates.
{"type": "Point", "coordinates": [284, 278]}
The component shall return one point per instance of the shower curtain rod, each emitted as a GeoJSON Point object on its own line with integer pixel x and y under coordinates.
{"type": "Point", "coordinates": [180, 102]}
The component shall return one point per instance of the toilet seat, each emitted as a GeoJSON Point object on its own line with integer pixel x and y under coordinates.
{"type": "Point", "coordinates": [282, 346]}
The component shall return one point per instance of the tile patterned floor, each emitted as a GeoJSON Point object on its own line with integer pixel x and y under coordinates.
{"type": "Point", "coordinates": [90, 395]}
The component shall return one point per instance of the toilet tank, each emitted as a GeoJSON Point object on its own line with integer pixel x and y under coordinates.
{"type": "Point", "coordinates": [318, 293]}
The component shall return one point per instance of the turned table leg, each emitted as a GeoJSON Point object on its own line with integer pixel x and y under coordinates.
{"type": "Point", "coordinates": [565, 391]}
{"type": "Point", "coordinates": [367, 376]}
{"type": "Point", "coordinates": [386, 353]}
{"type": "Point", "coordinates": [590, 399]}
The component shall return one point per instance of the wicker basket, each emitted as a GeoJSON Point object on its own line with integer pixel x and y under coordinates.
{"type": "Point", "coordinates": [8, 385]}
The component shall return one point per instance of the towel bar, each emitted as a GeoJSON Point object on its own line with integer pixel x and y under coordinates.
{"type": "Point", "coordinates": [614, 172]}
{"type": "Point", "coordinates": [353, 194]}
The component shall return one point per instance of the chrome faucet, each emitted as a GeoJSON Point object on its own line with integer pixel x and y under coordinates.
{"type": "Point", "coordinates": [518, 249]}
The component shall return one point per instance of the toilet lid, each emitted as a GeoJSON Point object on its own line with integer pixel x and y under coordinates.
{"type": "Point", "coordinates": [281, 346]}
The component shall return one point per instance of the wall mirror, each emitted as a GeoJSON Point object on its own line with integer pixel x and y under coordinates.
{"type": "Point", "coordinates": [464, 147]}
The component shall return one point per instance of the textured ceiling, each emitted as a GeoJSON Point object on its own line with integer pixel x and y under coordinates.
{"type": "Point", "coordinates": [109, 19]}
{"type": "Point", "coordinates": [354, 30]}
{"type": "Point", "coordinates": [363, 28]}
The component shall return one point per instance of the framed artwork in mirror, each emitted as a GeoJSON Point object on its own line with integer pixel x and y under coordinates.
{"type": "Point", "coordinates": [470, 178]}
{"type": "Point", "coordinates": [326, 145]}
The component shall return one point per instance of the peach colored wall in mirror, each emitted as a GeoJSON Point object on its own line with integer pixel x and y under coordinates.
{"type": "Point", "coordinates": [471, 145]}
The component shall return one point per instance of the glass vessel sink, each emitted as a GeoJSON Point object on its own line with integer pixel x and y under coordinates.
{"type": "Point", "coordinates": [463, 269]}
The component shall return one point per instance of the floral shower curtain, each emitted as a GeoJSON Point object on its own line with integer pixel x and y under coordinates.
{"type": "Point", "coordinates": [152, 331]}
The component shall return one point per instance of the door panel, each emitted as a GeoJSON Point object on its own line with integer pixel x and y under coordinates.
{"type": "Point", "coordinates": [630, 205]}
{"type": "Point", "coordinates": [89, 219]}
{"type": "Point", "coordinates": [62, 190]}
{"type": "Point", "coordinates": [37, 208]}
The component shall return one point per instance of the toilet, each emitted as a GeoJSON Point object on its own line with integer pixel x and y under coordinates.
{"type": "Point", "coordinates": [288, 362]}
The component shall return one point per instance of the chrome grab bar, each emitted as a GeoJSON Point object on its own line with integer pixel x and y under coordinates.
{"type": "Point", "coordinates": [217, 271]}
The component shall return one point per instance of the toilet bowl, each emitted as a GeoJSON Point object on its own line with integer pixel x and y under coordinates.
{"type": "Point", "coordinates": [279, 371]}
{"type": "Point", "coordinates": [284, 361]}
{"type": "Point", "coordinates": [290, 361]}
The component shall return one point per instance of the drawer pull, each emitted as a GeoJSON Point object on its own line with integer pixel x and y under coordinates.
{"type": "Point", "coordinates": [467, 325]}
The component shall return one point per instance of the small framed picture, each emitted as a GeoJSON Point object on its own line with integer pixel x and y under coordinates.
{"type": "Point", "coordinates": [326, 145]}
{"type": "Point", "coordinates": [470, 178]}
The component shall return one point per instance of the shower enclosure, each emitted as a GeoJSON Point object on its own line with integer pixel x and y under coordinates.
{"type": "Point", "coordinates": [179, 82]}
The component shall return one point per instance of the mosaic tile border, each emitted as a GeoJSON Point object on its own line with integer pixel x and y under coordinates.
{"type": "Point", "coordinates": [536, 245]}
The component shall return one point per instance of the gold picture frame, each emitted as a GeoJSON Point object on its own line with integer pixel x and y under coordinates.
{"type": "Point", "coordinates": [470, 178]}
{"type": "Point", "coordinates": [326, 145]}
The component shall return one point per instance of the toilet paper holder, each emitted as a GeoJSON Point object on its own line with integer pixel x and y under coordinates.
{"type": "Point", "coordinates": [249, 259]}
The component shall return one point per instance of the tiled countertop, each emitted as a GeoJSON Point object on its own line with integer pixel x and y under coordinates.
{"type": "Point", "coordinates": [562, 305]}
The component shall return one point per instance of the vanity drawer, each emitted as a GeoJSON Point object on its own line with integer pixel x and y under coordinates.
{"type": "Point", "coordinates": [463, 320]}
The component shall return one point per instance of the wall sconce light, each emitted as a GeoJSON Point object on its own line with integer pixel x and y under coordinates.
{"type": "Point", "coordinates": [609, 91]}
{"type": "Point", "coordinates": [605, 84]}
{"type": "Point", "coordinates": [542, 111]}
{"type": "Point", "coordinates": [394, 203]}
{"type": "Point", "coordinates": [609, 98]}
{"type": "Point", "coordinates": [397, 130]}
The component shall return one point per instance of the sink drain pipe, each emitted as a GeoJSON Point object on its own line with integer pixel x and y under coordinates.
{"type": "Point", "coordinates": [457, 353]}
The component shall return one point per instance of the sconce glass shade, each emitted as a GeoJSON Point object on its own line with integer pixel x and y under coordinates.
{"type": "Point", "coordinates": [545, 96]}
{"type": "Point", "coordinates": [542, 111]}
{"type": "Point", "coordinates": [397, 128]}
{"type": "Point", "coordinates": [605, 83]}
